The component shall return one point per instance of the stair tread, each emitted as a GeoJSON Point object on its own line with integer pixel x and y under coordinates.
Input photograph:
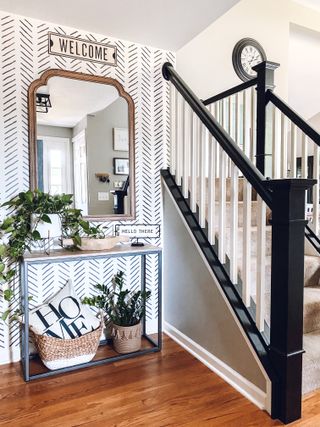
{"type": "Point", "coordinates": [311, 361]}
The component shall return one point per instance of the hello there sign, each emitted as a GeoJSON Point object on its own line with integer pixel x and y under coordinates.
{"type": "Point", "coordinates": [86, 50]}
{"type": "Point", "coordinates": [138, 231]}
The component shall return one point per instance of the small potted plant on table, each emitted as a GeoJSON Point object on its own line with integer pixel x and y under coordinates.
{"type": "Point", "coordinates": [125, 309]}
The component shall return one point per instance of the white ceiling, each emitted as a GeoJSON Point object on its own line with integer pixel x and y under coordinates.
{"type": "Point", "coordinates": [304, 71]}
{"type": "Point", "coordinates": [72, 100]}
{"type": "Point", "coordinates": [166, 24]}
{"type": "Point", "coordinates": [312, 4]}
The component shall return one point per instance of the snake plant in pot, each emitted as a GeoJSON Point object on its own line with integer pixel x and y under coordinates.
{"type": "Point", "coordinates": [125, 309]}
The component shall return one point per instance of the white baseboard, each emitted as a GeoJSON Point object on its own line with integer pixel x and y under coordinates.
{"type": "Point", "coordinates": [237, 381]}
{"type": "Point", "coordinates": [10, 357]}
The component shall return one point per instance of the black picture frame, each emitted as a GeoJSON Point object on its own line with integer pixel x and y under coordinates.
{"type": "Point", "coordinates": [121, 166]}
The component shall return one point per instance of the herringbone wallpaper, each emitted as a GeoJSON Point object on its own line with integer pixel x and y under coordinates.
{"type": "Point", "coordinates": [24, 57]}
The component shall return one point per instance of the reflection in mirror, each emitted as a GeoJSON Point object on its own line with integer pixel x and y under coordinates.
{"type": "Point", "coordinates": [82, 145]}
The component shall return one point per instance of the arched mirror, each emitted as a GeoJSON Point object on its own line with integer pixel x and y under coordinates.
{"type": "Point", "coordinates": [81, 135]}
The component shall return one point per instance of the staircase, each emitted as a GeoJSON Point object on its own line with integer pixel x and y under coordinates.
{"type": "Point", "coordinates": [251, 229]}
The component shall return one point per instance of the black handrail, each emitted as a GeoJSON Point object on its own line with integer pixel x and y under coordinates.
{"type": "Point", "coordinates": [294, 117]}
{"type": "Point", "coordinates": [229, 92]}
{"type": "Point", "coordinates": [250, 172]}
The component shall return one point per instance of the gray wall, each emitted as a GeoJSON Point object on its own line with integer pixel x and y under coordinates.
{"type": "Point", "coordinates": [193, 303]}
{"type": "Point", "coordinates": [61, 132]}
{"type": "Point", "coordinates": [80, 126]}
{"type": "Point", "coordinates": [100, 153]}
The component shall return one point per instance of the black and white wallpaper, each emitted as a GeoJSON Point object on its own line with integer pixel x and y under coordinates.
{"type": "Point", "coordinates": [24, 57]}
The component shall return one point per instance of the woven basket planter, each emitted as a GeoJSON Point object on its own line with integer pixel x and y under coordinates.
{"type": "Point", "coordinates": [126, 339]}
{"type": "Point", "coordinates": [56, 353]}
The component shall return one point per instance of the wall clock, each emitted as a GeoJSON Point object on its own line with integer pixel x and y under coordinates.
{"type": "Point", "coordinates": [246, 54]}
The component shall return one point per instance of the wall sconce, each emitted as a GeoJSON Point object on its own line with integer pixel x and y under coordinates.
{"type": "Point", "coordinates": [43, 102]}
{"type": "Point", "coordinates": [103, 177]}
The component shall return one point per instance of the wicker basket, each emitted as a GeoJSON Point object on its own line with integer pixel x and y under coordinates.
{"type": "Point", "coordinates": [126, 339]}
{"type": "Point", "coordinates": [56, 353]}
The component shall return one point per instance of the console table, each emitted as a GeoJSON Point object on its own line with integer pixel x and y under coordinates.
{"type": "Point", "coordinates": [32, 366]}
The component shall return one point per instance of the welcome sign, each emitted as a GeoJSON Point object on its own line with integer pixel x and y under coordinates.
{"type": "Point", "coordinates": [85, 50]}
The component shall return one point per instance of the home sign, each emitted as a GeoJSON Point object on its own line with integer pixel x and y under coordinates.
{"type": "Point", "coordinates": [73, 47]}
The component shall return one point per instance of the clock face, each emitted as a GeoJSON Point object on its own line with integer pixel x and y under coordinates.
{"type": "Point", "coordinates": [250, 56]}
{"type": "Point", "coordinates": [246, 54]}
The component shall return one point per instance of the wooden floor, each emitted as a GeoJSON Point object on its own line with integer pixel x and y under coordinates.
{"type": "Point", "coordinates": [163, 389]}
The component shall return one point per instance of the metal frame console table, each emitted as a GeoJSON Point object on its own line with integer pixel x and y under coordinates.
{"type": "Point", "coordinates": [32, 367]}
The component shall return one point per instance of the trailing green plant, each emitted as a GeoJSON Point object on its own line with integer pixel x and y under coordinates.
{"type": "Point", "coordinates": [18, 233]}
{"type": "Point", "coordinates": [122, 306]}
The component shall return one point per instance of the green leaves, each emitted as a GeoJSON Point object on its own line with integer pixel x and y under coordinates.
{"type": "Point", "coordinates": [5, 315]}
{"type": "Point", "coordinates": [77, 240]}
{"type": "Point", "coordinates": [45, 218]}
{"type": "Point", "coordinates": [3, 250]}
{"type": "Point", "coordinates": [122, 306]}
{"type": "Point", "coordinates": [36, 235]}
{"type": "Point", "coordinates": [7, 223]}
{"type": "Point", "coordinates": [19, 232]}
{"type": "Point", "coordinates": [8, 294]}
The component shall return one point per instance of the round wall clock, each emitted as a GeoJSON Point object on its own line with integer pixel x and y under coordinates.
{"type": "Point", "coordinates": [246, 54]}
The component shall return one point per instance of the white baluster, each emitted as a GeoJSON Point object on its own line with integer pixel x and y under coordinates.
{"type": "Point", "coordinates": [204, 135]}
{"type": "Point", "coordinates": [173, 112]}
{"type": "Point", "coordinates": [211, 190]}
{"type": "Point", "coordinates": [194, 162]}
{"type": "Point", "coordinates": [316, 188]}
{"type": "Point", "coordinates": [229, 129]}
{"type": "Point", "coordinates": [246, 145]}
{"type": "Point", "coordinates": [237, 120]}
{"type": "Point", "coordinates": [222, 208]}
{"type": "Point", "coordinates": [293, 157]}
{"type": "Point", "coordinates": [217, 110]}
{"type": "Point", "coordinates": [276, 156]}
{"type": "Point", "coordinates": [246, 250]}
{"type": "Point", "coordinates": [304, 158]}
{"type": "Point", "coordinates": [179, 140]}
{"type": "Point", "coordinates": [261, 264]}
{"type": "Point", "coordinates": [253, 147]}
{"type": "Point", "coordinates": [186, 151]}
{"type": "Point", "coordinates": [234, 224]}
{"type": "Point", "coordinates": [284, 146]}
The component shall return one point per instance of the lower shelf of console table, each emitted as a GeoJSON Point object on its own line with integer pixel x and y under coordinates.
{"type": "Point", "coordinates": [32, 366]}
{"type": "Point", "coordinates": [105, 354]}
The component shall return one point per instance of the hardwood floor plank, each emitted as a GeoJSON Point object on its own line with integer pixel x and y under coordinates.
{"type": "Point", "coordinates": [170, 388]}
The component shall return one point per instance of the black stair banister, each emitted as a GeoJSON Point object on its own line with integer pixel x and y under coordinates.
{"type": "Point", "coordinates": [313, 238]}
{"type": "Point", "coordinates": [265, 80]}
{"type": "Point", "coordinates": [294, 117]}
{"type": "Point", "coordinates": [307, 130]}
{"type": "Point", "coordinates": [230, 92]}
{"type": "Point", "coordinates": [286, 198]}
{"type": "Point", "coordinates": [266, 96]}
{"type": "Point", "coordinates": [287, 277]}
{"type": "Point", "coordinates": [250, 172]}
{"type": "Point", "coordinates": [232, 295]}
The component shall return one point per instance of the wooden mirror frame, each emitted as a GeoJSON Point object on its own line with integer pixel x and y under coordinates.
{"type": "Point", "coordinates": [42, 81]}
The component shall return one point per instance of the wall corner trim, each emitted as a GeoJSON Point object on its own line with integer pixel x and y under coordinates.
{"type": "Point", "coordinates": [237, 381]}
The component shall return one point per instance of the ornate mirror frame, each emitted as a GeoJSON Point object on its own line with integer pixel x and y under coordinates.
{"type": "Point", "coordinates": [42, 81]}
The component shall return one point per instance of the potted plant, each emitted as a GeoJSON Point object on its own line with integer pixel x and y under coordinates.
{"type": "Point", "coordinates": [29, 216]}
{"type": "Point", "coordinates": [86, 236]}
{"type": "Point", "coordinates": [125, 309]}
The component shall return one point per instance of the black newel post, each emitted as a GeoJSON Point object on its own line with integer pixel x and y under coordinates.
{"type": "Point", "coordinates": [287, 281]}
{"type": "Point", "coordinates": [265, 81]}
